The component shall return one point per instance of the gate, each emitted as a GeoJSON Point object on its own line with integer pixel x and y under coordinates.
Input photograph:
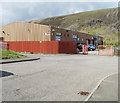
{"type": "Point", "coordinates": [84, 49]}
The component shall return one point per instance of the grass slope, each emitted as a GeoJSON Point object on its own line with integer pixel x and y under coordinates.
{"type": "Point", "coordinates": [99, 22]}
{"type": "Point", "coordinates": [7, 54]}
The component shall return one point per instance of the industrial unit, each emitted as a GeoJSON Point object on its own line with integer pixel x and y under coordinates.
{"type": "Point", "coordinates": [20, 31]}
{"type": "Point", "coordinates": [29, 37]}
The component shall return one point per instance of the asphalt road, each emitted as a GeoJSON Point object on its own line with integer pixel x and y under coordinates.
{"type": "Point", "coordinates": [56, 77]}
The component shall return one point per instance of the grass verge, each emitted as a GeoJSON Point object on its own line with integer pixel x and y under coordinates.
{"type": "Point", "coordinates": [7, 54]}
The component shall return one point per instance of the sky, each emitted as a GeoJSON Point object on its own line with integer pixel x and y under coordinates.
{"type": "Point", "coordinates": [27, 11]}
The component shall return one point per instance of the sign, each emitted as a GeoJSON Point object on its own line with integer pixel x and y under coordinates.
{"type": "Point", "coordinates": [74, 36]}
{"type": "Point", "coordinates": [58, 38]}
{"type": "Point", "coordinates": [75, 39]}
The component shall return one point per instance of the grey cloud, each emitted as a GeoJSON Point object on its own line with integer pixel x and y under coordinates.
{"type": "Point", "coordinates": [26, 11]}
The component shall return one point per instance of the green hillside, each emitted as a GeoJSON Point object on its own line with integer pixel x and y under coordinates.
{"type": "Point", "coordinates": [98, 22]}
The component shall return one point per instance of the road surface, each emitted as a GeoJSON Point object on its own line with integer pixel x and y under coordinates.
{"type": "Point", "coordinates": [56, 77]}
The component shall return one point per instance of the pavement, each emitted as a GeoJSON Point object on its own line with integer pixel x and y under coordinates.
{"type": "Point", "coordinates": [57, 77]}
{"type": "Point", "coordinates": [93, 53]}
{"type": "Point", "coordinates": [6, 61]}
{"type": "Point", "coordinates": [107, 90]}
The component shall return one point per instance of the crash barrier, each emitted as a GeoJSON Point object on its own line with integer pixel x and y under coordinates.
{"type": "Point", "coordinates": [3, 46]}
{"type": "Point", "coordinates": [105, 50]}
{"type": "Point", "coordinates": [51, 47]}
{"type": "Point", "coordinates": [84, 49]}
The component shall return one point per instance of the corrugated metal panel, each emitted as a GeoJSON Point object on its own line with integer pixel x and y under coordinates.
{"type": "Point", "coordinates": [19, 31]}
{"type": "Point", "coordinates": [67, 47]}
{"type": "Point", "coordinates": [51, 47]}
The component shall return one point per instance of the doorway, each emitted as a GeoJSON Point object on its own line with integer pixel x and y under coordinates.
{"type": "Point", "coordinates": [87, 41]}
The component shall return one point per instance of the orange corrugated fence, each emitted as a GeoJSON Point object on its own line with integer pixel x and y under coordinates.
{"type": "Point", "coordinates": [67, 47]}
{"type": "Point", "coordinates": [51, 47]}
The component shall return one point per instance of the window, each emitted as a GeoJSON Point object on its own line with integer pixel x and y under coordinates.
{"type": "Point", "coordinates": [53, 29]}
{"type": "Point", "coordinates": [66, 30]}
{"type": "Point", "coordinates": [58, 34]}
{"type": "Point", "coordinates": [74, 36]}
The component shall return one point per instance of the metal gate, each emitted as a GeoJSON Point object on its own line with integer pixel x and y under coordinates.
{"type": "Point", "coordinates": [84, 49]}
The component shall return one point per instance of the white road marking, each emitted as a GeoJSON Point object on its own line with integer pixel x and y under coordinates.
{"type": "Point", "coordinates": [98, 86]}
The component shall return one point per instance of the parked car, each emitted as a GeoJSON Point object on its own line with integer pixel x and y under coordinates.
{"type": "Point", "coordinates": [91, 47]}
{"type": "Point", "coordinates": [79, 47]}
